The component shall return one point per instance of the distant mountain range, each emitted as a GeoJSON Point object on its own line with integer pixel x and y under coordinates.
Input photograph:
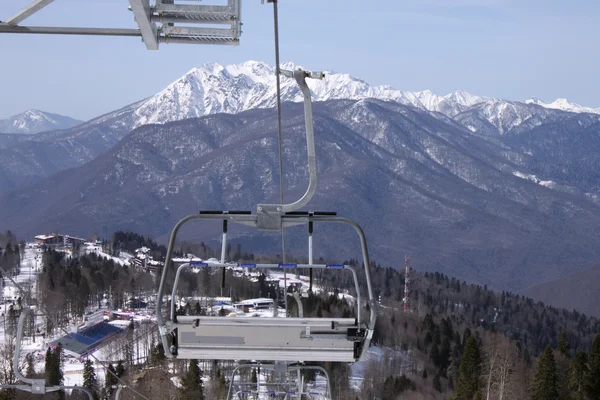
{"type": "Point", "coordinates": [34, 121]}
{"type": "Point", "coordinates": [213, 88]}
{"type": "Point", "coordinates": [499, 192]}
{"type": "Point", "coordinates": [461, 202]}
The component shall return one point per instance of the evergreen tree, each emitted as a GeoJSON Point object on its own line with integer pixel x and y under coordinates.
{"type": "Point", "coordinates": [89, 376]}
{"type": "Point", "coordinates": [120, 370]}
{"type": "Point", "coordinates": [469, 371]}
{"type": "Point", "coordinates": [563, 344]}
{"type": "Point", "coordinates": [593, 378]}
{"type": "Point", "coordinates": [577, 376]}
{"type": "Point", "coordinates": [192, 387]}
{"type": "Point", "coordinates": [110, 380]}
{"type": "Point", "coordinates": [545, 382]}
{"type": "Point", "coordinates": [30, 365]}
{"type": "Point", "coordinates": [53, 368]}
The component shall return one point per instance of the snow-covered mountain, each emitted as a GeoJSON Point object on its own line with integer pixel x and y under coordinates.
{"type": "Point", "coordinates": [34, 121]}
{"type": "Point", "coordinates": [564, 105]}
{"type": "Point", "coordinates": [213, 88]}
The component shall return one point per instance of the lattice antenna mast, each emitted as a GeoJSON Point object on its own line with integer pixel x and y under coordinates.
{"type": "Point", "coordinates": [406, 283]}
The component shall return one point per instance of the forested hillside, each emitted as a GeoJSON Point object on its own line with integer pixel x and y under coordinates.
{"type": "Point", "coordinates": [458, 340]}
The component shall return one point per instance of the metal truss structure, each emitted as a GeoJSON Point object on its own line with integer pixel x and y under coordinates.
{"type": "Point", "coordinates": [164, 21]}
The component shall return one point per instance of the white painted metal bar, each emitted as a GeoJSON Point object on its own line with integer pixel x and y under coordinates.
{"type": "Point", "coordinates": [28, 11]}
{"type": "Point", "coordinates": [142, 13]}
{"type": "Point", "coordinates": [53, 30]}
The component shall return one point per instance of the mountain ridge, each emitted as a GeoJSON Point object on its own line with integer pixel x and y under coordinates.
{"type": "Point", "coordinates": [417, 183]}
{"type": "Point", "coordinates": [31, 122]}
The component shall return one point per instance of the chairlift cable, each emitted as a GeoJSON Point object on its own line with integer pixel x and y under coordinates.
{"type": "Point", "coordinates": [280, 141]}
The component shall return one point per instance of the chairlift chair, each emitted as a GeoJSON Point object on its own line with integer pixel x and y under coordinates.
{"type": "Point", "coordinates": [34, 386]}
{"type": "Point", "coordinates": [270, 338]}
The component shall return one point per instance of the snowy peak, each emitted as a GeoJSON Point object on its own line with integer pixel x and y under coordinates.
{"type": "Point", "coordinates": [564, 105]}
{"type": "Point", "coordinates": [214, 88]}
{"type": "Point", "coordinates": [34, 121]}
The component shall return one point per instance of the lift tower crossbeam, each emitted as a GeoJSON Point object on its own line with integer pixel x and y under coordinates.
{"type": "Point", "coordinates": [163, 21]}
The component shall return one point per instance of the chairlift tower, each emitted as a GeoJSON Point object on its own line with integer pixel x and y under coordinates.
{"type": "Point", "coordinates": [163, 21]}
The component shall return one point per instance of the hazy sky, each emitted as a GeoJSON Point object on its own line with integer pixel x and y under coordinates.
{"type": "Point", "coordinates": [514, 49]}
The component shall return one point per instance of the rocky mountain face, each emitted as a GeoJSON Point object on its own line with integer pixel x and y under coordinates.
{"type": "Point", "coordinates": [33, 121]}
{"type": "Point", "coordinates": [493, 208]}
{"type": "Point", "coordinates": [214, 88]}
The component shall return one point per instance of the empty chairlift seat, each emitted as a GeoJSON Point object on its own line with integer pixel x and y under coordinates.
{"type": "Point", "coordinates": [267, 338]}
{"type": "Point", "coordinates": [273, 339]}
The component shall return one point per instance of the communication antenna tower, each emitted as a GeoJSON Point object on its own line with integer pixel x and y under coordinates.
{"type": "Point", "coordinates": [406, 283]}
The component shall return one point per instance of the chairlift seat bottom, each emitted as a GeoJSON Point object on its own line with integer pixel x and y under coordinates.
{"type": "Point", "coordinates": [266, 338]}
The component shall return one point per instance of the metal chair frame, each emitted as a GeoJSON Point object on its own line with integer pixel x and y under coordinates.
{"type": "Point", "coordinates": [237, 389]}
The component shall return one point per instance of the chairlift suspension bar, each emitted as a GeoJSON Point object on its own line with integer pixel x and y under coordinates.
{"type": "Point", "coordinates": [223, 250]}
{"type": "Point", "coordinates": [310, 254]}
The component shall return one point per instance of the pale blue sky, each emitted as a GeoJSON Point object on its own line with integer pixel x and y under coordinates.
{"type": "Point", "coordinates": [514, 49]}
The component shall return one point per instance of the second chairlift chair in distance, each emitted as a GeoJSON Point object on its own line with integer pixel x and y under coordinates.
{"type": "Point", "coordinates": [270, 339]}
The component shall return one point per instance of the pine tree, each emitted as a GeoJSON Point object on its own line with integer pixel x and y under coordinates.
{"type": "Point", "coordinates": [110, 380]}
{"type": "Point", "coordinates": [563, 344]}
{"type": "Point", "coordinates": [577, 376]}
{"type": "Point", "coordinates": [192, 386]}
{"type": "Point", "coordinates": [469, 371]}
{"type": "Point", "coordinates": [593, 378]}
{"type": "Point", "coordinates": [89, 376]}
{"type": "Point", "coordinates": [545, 382]}
{"type": "Point", "coordinates": [53, 368]}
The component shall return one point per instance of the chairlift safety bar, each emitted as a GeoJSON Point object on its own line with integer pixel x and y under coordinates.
{"type": "Point", "coordinates": [169, 328]}
{"type": "Point", "coordinates": [194, 264]}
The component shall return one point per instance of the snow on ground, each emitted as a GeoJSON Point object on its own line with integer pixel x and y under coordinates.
{"type": "Point", "coordinates": [377, 354]}
{"type": "Point", "coordinates": [123, 258]}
